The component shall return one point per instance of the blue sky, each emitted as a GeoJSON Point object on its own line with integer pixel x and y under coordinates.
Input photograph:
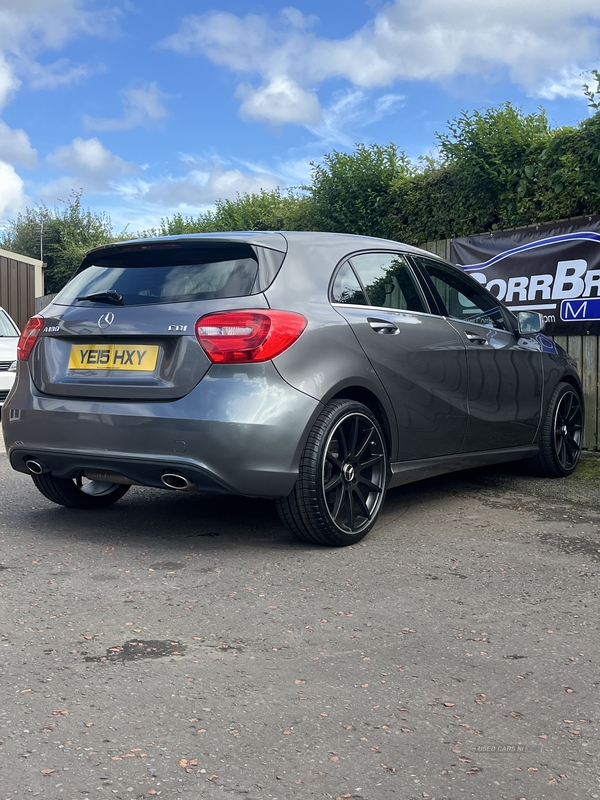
{"type": "Point", "coordinates": [154, 107]}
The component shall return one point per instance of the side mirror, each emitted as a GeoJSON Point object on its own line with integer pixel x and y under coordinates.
{"type": "Point", "coordinates": [530, 322]}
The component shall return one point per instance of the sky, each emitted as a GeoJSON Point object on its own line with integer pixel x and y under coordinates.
{"type": "Point", "coordinates": [153, 108]}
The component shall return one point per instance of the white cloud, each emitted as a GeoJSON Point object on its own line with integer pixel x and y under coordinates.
{"type": "Point", "coordinates": [200, 187]}
{"type": "Point", "coordinates": [29, 27]}
{"type": "Point", "coordinates": [240, 43]}
{"type": "Point", "coordinates": [144, 202]}
{"type": "Point", "coordinates": [15, 147]}
{"type": "Point", "coordinates": [12, 197]}
{"type": "Point", "coordinates": [89, 156]}
{"type": "Point", "coordinates": [291, 172]}
{"type": "Point", "coordinates": [143, 106]}
{"type": "Point", "coordinates": [352, 111]}
{"type": "Point", "coordinates": [8, 81]}
{"type": "Point", "coordinates": [59, 73]}
{"type": "Point", "coordinates": [280, 101]}
{"type": "Point", "coordinates": [92, 168]}
{"type": "Point", "coordinates": [433, 40]}
{"type": "Point", "coordinates": [568, 83]}
{"type": "Point", "coordinates": [388, 103]}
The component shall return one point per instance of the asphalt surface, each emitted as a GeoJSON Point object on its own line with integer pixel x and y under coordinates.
{"type": "Point", "coordinates": [185, 645]}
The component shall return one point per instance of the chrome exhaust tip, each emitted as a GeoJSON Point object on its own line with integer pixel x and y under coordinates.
{"type": "Point", "coordinates": [172, 480]}
{"type": "Point", "coordinates": [34, 466]}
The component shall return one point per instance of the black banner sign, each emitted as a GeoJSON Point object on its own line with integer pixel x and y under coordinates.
{"type": "Point", "coordinates": [553, 269]}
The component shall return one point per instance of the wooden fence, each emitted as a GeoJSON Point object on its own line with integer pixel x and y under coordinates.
{"type": "Point", "coordinates": [585, 351]}
{"type": "Point", "coordinates": [42, 302]}
{"type": "Point", "coordinates": [20, 281]}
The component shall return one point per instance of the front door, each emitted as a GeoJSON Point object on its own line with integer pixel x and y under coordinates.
{"type": "Point", "coordinates": [505, 369]}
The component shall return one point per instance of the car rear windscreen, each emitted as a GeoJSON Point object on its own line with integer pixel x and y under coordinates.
{"type": "Point", "coordinates": [143, 275]}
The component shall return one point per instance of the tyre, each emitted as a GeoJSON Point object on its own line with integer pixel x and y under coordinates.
{"type": "Point", "coordinates": [561, 436]}
{"type": "Point", "coordinates": [79, 494]}
{"type": "Point", "coordinates": [342, 477]}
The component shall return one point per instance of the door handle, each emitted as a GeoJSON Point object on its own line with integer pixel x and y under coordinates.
{"type": "Point", "coordinates": [383, 326]}
{"type": "Point", "coordinates": [476, 338]}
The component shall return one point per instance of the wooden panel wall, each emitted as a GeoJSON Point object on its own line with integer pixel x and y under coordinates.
{"type": "Point", "coordinates": [42, 302]}
{"type": "Point", "coordinates": [440, 248]}
{"type": "Point", "coordinates": [17, 289]}
{"type": "Point", "coordinates": [586, 352]}
{"type": "Point", "coordinates": [584, 349]}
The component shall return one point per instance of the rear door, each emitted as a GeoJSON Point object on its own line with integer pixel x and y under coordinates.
{"type": "Point", "coordinates": [505, 369]}
{"type": "Point", "coordinates": [418, 356]}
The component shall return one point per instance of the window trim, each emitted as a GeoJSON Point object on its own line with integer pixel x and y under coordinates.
{"type": "Point", "coordinates": [385, 310]}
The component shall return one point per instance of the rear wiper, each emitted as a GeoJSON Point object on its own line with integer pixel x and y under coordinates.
{"type": "Point", "coordinates": [110, 296]}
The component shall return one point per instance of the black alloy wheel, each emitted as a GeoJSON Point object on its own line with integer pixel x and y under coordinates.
{"type": "Point", "coordinates": [342, 479]}
{"type": "Point", "coordinates": [353, 473]}
{"type": "Point", "coordinates": [561, 436]}
{"type": "Point", "coordinates": [568, 430]}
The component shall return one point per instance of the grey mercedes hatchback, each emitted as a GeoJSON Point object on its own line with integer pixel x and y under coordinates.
{"type": "Point", "coordinates": [317, 369]}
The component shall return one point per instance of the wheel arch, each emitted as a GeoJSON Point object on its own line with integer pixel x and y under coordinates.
{"type": "Point", "coordinates": [572, 381]}
{"type": "Point", "coordinates": [369, 399]}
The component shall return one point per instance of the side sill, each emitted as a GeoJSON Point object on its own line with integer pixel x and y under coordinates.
{"type": "Point", "coordinates": [409, 471]}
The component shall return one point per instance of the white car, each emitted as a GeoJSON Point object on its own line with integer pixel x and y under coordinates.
{"type": "Point", "coordinates": [9, 336]}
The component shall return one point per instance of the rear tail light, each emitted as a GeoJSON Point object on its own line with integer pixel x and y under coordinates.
{"type": "Point", "coordinates": [28, 337]}
{"type": "Point", "coordinates": [242, 337]}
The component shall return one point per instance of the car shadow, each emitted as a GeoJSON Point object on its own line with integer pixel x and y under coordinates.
{"type": "Point", "coordinates": [153, 517]}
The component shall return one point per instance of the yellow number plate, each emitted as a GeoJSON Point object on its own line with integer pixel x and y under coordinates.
{"type": "Point", "coordinates": [141, 358]}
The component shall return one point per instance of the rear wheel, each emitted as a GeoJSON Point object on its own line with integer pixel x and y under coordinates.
{"type": "Point", "coordinates": [342, 477]}
{"type": "Point", "coordinates": [79, 493]}
{"type": "Point", "coordinates": [562, 434]}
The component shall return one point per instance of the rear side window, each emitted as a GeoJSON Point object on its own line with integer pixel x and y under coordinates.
{"type": "Point", "coordinates": [347, 289]}
{"type": "Point", "coordinates": [388, 281]}
{"type": "Point", "coordinates": [146, 275]}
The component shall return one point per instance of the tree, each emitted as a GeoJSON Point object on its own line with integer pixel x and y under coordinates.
{"type": "Point", "coordinates": [495, 169]}
{"type": "Point", "coordinates": [593, 95]}
{"type": "Point", "coordinates": [61, 236]}
{"type": "Point", "coordinates": [494, 156]}
{"type": "Point", "coordinates": [351, 192]}
{"type": "Point", "coordinates": [256, 211]}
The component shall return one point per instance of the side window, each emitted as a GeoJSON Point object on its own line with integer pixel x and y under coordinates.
{"type": "Point", "coordinates": [347, 289]}
{"type": "Point", "coordinates": [462, 297]}
{"type": "Point", "coordinates": [388, 281]}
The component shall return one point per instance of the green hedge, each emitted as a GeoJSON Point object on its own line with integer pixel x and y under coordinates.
{"type": "Point", "coordinates": [494, 169]}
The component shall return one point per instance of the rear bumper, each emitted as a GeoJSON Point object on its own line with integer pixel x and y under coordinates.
{"type": "Point", "coordinates": [240, 431]}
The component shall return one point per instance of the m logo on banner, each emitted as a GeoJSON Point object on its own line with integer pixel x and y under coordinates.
{"type": "Point", "coordinates": [580, 310]}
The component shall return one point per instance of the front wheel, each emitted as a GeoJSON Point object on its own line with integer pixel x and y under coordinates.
{"type": "Point", "coordinates": [78, 493]}
{"type": "Point", "coordinates": [561, 436]}
{"type": "Point", "coordinates": [342, 477]}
